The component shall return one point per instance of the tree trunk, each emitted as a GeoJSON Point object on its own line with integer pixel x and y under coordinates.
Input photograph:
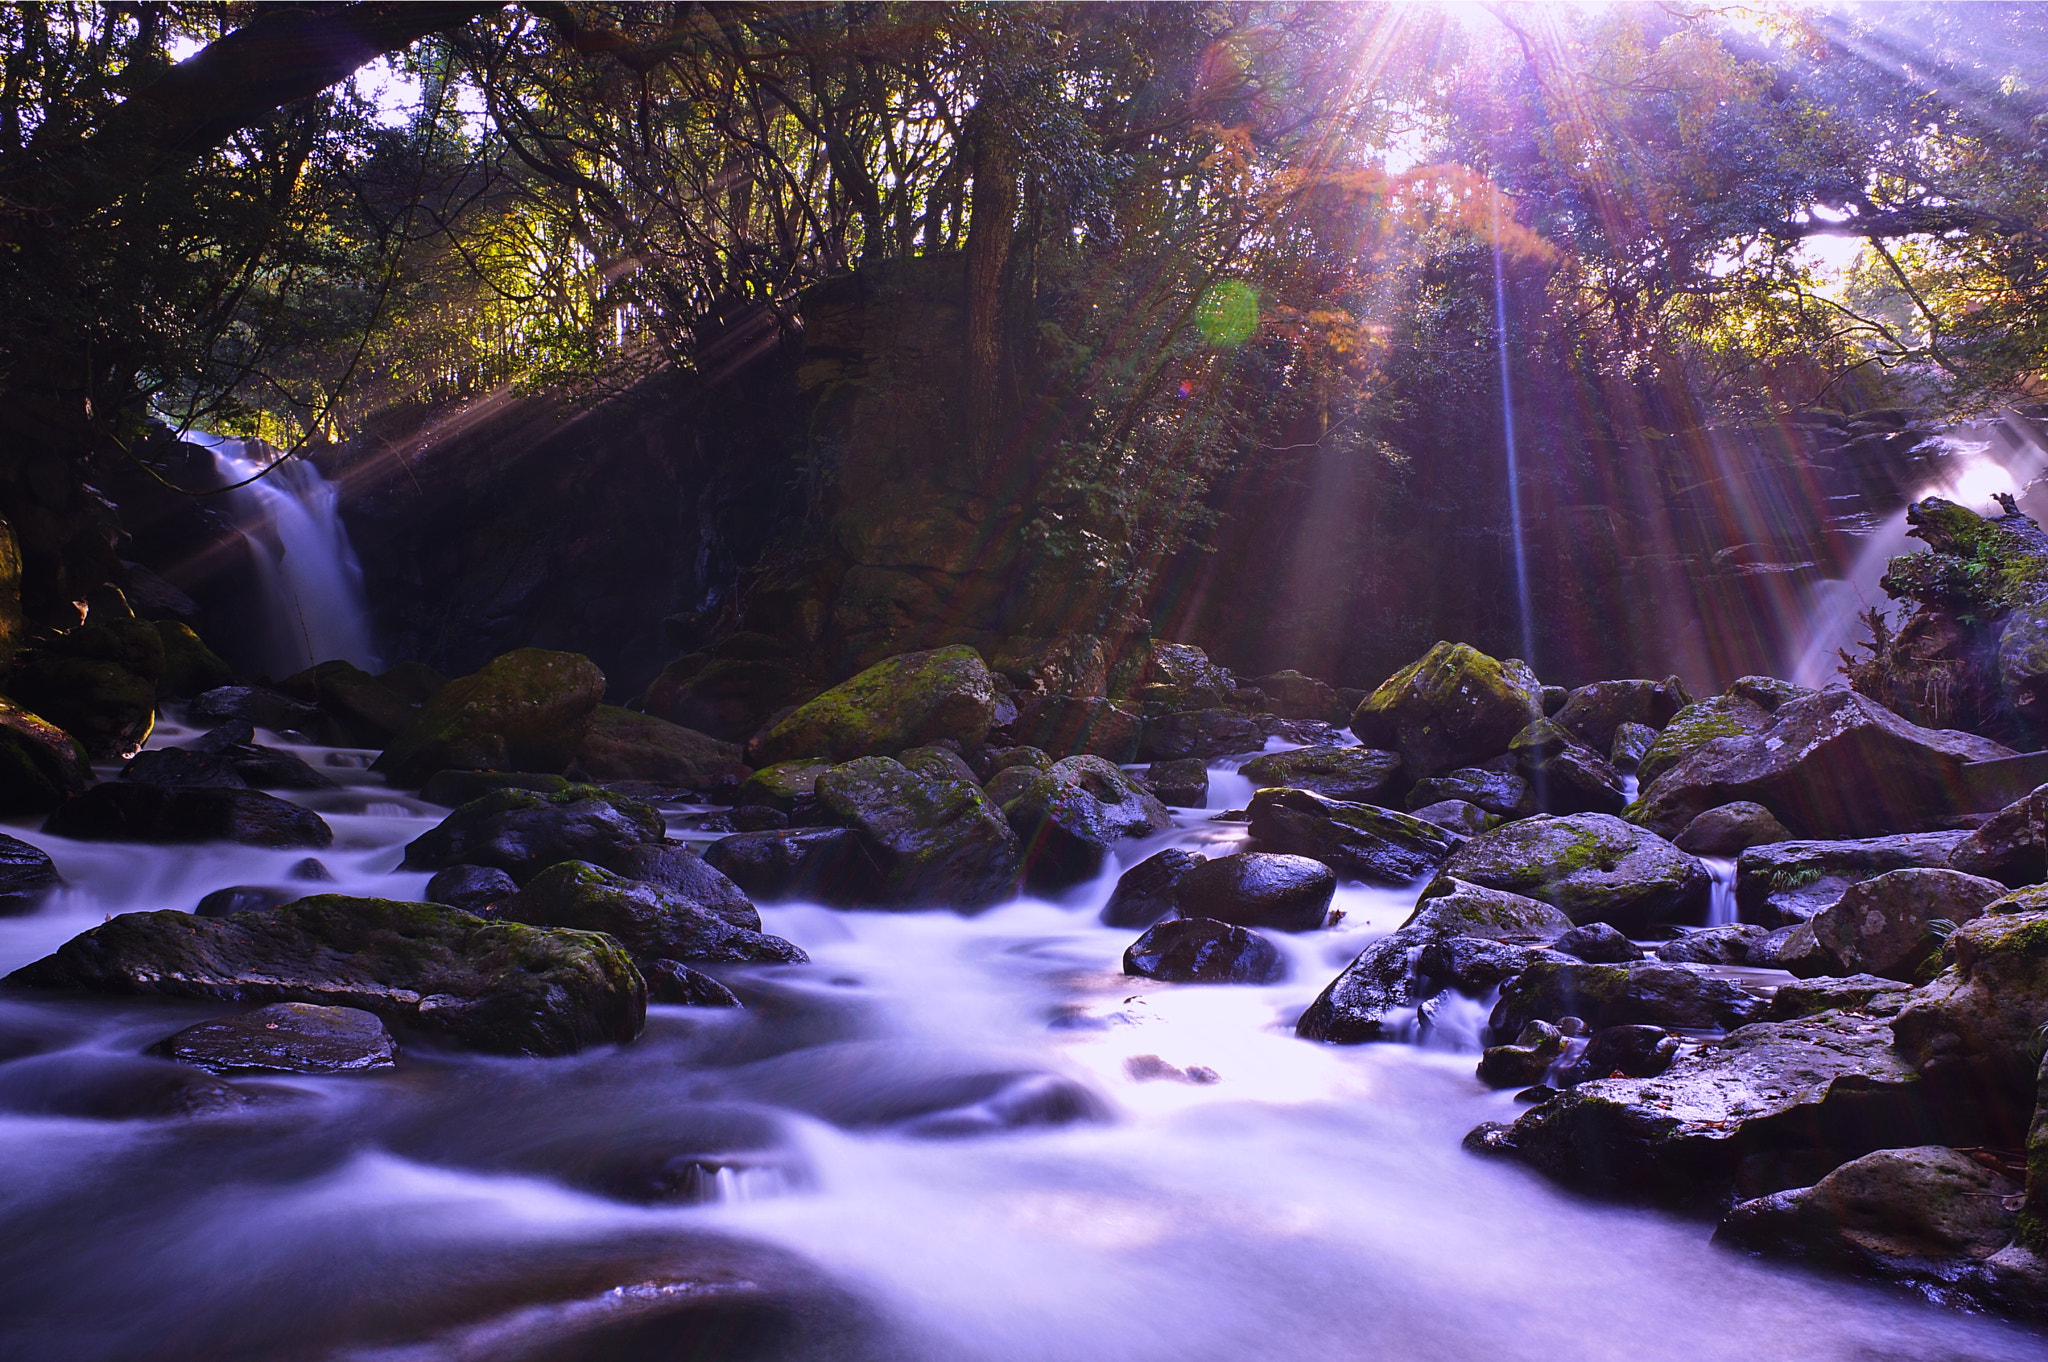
{"type": "Point", "coordinates": [990, 237]}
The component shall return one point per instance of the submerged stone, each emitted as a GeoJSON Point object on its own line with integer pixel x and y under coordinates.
{"type": "Point", "coordinates": [301, 1038]}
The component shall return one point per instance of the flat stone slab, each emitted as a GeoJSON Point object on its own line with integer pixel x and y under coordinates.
{"type": "Point", "coordinates": [299, 1038]}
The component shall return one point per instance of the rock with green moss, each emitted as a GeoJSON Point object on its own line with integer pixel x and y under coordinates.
{"type": "Point", "coordinates": [1566, 775]}
{"type": "Point", "coordinates": [1377, 995]}
{"type": "Point", "coordinates": [1594, 714]}
{"type": "Point", "coordinates": [523, 832]}
{"type": "Point", "coordinates": [2011, 846]}
{"type": "Point", "coordinates": [1978, 1027]}
{"type": "Point", "coordinates": [622, 745]}
{"type": "Point", "coordinates": [1069, 816]}
{"type": "Point", "coordinates": [1291, 695]}
{"type": "Point", "coordinates": [1360, 775]}
{"type": "Point", "coordinates": [1696, 725]}
{"type": "Point", "coordinates": [934, 839]}
{"type": "Point", "coordinates": [1832, 764]}
{"type": "Point", "coordinates": [1591, 866]}
{"type": "Point", "coordinates": [1978, 565]}
{"type": "Point", "coordinates": [1779, 884]}
{"type": "Point", "coordinates": [97, 682]}
{"type": "Point", "coordinates": [1893, 925]}
{"type": "Point", "coordinates": [1453, 707]}
{"type": "Point", "coordinates": [190, 667]}
{"type": "Point", "coordinates": [1361, 841]}
{"type": "Point", "coordinates": [527, 710]}
{"type": "Point", "coordinates": [1639, 992]}
{"type": "Point", "coordinates": [41, 765]}
{"type": "Point", "coordinates": [651, 922]}
{"type": "Point", "coordinates": [786, 787]}
{"type": "Point", "coordinates": [496, 986]}
{"type": "Point", "coordinates": [899, 703]}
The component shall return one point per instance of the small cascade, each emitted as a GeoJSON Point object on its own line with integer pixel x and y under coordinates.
{"type": "Point", "coordinates": [1720, 907]}
{"type": "Point", "coordinates": [314, 607]}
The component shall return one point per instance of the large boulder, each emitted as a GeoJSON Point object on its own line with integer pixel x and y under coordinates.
{"type": "Point", "coordinates": [1730, 829]}
{"type": "Point", "coordinates": [1377, 845]}
{"type": "Point", "coordinates": [1769, 1106]}
{"type": "Point", "coordinates": [934, 838]}
{"type": "Point", "coordinates": [1182, 783]}
{"type": "Point", "coordinates": [1453, 707]}
{"type": "Point", "coordinates": [1377, 994]}
{"type": "Point", "coordinates": [2008, 846]}
{"type": "Point", "coordinates": [1200, 733]}
{"type": "Point", "coordinates": [1782, 883]}
{"type": "Point", "coordinates": [1182, 676]}
{"type": "Point", "coordinates": [1832, 764]}
{"type": "Point", "coordinates": [120, 811]}
{"type": "Point", "coordinates": [97, 682]}
{"type": "Point", "coordinates": [1258, 889]}
{"type": "Point", "coordinates": [496, 986]}
{"type": "Point", "coordinates": [523, 832]}
{"type": "Point", "coordinates": [651, 922]}
{"type": "Point", "coordinates": [1643, 991]}
{"type": "Point", "coordinates": [26, 874]}
{"type": "Point", "coordinates": [902, 702]}
{"type": "Point", "coordinates": [676, 867]}
{"type": "Point", "coordinates": [622, 745]}
{"type": "Point", "coordinates": [1501, 793]}
{"type": "Point", "coordinates": [1358, 775]}
{"type": "Point", "coordinates": [1566, 775]}
{"type": "Point", "coordinates": [1592, 866]}
{"type": "Point", "coordinates": [1890, 926]}
{"type": "Point", "coordinates": [41, 765]}
{"type": "Point", "coordinates": [1292, 695]}
{"type": "Point", "coordinates": [1718, 716]}
{"type": "Point", "coordinates": [1201, 951]}
{"type": "Point", "coordinates": [727, 697]}
{"type": "Point", "coordinates": [1067, 817]}
{"type": "Point", "coordinates": [356, 708]}
{"type": "Point", "coordinates": [1594, 714]}
{"type": "Point", "coordinates": [190, 667]}
{"type": "Point", "coordinates": [824, 865]}
{"type": "Point", "coordinates": [252, 705]}
{"type": "Point", "coordinates": [1148, 891]}
{"type": "Point", "coordinates": [297, 1038]}
{"type": "Point", "coordinates": [527, 710]}
{"type": "Point", "coordinates": [226, 757]}
{"type": "Point", "coordinates": [1079, 725]}
{"type": "Point", "coordinates": [1976, 1029]}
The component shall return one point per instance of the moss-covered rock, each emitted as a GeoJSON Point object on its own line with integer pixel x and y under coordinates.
{"type": "Point", "coordinates": [41, 765]}
{"type": "Point", "coordinates": [1360, 775]}
{"type": "Point", "coordinates": [1978, 1027]}
{"type": "Point", "coordinates": [190, 667]}
{"type": "Point", "coordinates": [1782, 883]}
{"type": "Point", "coordinates": [523, 832]}
{"type": "Point", "coordinates": [1453, 707]}
{"type": "Point", "coordinates": [622, 745]}
{"type": "Point", "coordinates": [527, 710]}
{"type": "Point", "coordinates": [1982, 566]}
{"type": "Point", "coordinates": [1291, 695]}
{"type": "Point", "coordinates": [495, 986]}
{"type": "Point", "coordinates": [1889, 926]}
{"type": "Point", "coordinates": [1374, 844]}
{"type": "Point", "coordinates": [96, 682]}
{"type": "Point", "coordinates": [1591, 866]}
{"type": "Point", "coordinates": [1595, 713]}
{"type": "Point", "coordinates": [1696, 725]}
{"type": "Point", "coordinates": [1067, 817]}
{"type": "Point", "coordinates": [902, 702]}
{"type": "Point", "coordinates": [651, 922]}
{"type": "Point", "coordinates": [786, 787]}
{"type": "Point", "coordinates": [935, 839]}
{"type": "Point", "coordinates": [1566, 775]}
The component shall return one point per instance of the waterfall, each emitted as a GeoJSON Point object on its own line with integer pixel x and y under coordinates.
{"type": "Point", "coordinates": [314, 608]}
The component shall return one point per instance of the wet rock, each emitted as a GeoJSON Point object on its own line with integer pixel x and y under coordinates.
{"type": "Point", "coordinates": [1358, 775]}
{"type": "Point", "coordinates": [1003, 758]}
{"type": "Point", "coordinates": [298, 1038]}
{"type": "Point", "coordinates": [1151, 1069]}
{"type": "Point", "coordinates": [1184, 676]}
{"type": "Point", "coordinates": [1502, 793]}
{"type": "Point", "coordinates": [243, 898]}
{"type": "Point", "coordinates": [906, 701]}
{"type": "Point", "coordinates": [1632, 1051]}
{"type": "Point", "coordinates": [1180, 784]}
{"type": "Point", "coordinates": [1887, 925]}
{"type": "Point", "coordinates": [1622, 995]}
{"type": "Point", "coordinates": [523, 832]}
{"type": "Point", "coordinates": [453, 789]}
{"type": "Point", "coordinates": [1258, 889]}
{"type": "Point", "coordinates": [822, 865]}
{"type": "Point", "coordinates": [652, 923]}
{"type": "Point", "coordinates": [1200, 733]}
{"type": "Point", "coordinates": [356, 708]}
{"type": "Point", "coordinates": [622, 745]}
{"type": "Point", "coordinates": [1526, 1061]}
{"type": "Point", "coordinates": [1592, 866]}
{"type": "Point", "coordinates": [1067, 818]}
{"type": "Point", "coordinates": [254, 705]}
{"type": "Point", "coordinates": [102, 1087]}
{"type": "Point", "coordinates": [472, 888]}
{"type": "Point", "coordinates": [1456, 816]}
{"type": "Point", "coordinates": [27, 875]}
{"type": "Point", "coordinates": [678, 868]}
{"type": "Point", "coordinates": [2008, 847]}
{"type": "Point", "coordinates": [1632, 742]}
{"type": "Point", "coordinates": [1292, 695]}
{"type": "Point", "coordinates": [190, 667]}
{"type": "Point", "coordinates": [1453, 707]}
{"type": "Point", "coordinates": [1374, 844]}
{"type": "Point", "coordinates": [674, 983]}
{"type": "Point", "coordinates": [1728, 944]}
{"type": "Point", "coordinates": [41, 765]}
{"type": "Point", "coordinates": [496, 986]}
{"type": "Point", "coordinates": [1832, 764]}
{"type": "Point", "coordinates": [1567, 775]}
{"type": "Point", "coordinates": [1976, 1028]}
{"type": "Point", "coordinates": [1368, 1001]}
{"type": "Point", "coordinates": [1856, 993]}
{"type": "Point", "coordinates": [117, 811]}
{"type": "Point", "coordinates": [527, 710]}
{"type": "Point", "coordinates": [1598, 944]}
{"type": "Point", "coordinates": [1595, 714]}
{"type": "Point", "coordinates": [756, 818]}
{"type": "Point", "coordinates": [1697, 724]}
{"type": "Point", "coordinates": [1202, 951]}
{"type": "Point", "coordinates": [219, 759]}
{"type": "Point", "coordinates": [1782, 883]}
{"type": "Point", "coordinates": [1792, 949]}
{"type": "Point", "coordinates": [789, 787]}
{"type": "Point", "coordinates": [1926, 1216]}
{"type": "Point", "coordinates": [729, 698]}
{"type": "Point", "coordinates": [1069, 725]}
{"type": "Point", "coordinates": [1146, 892]}
{"type": "Point", "coordinates": [97, 682]}
{"type": "Point", "coordinates": [1730, 829]}
{"type": "Point", "coordinates": [312, 870]}
{"type": "Point", "coordinates": [1769, 1106]}
{"type": "Point", "coordinates": [933, 838]}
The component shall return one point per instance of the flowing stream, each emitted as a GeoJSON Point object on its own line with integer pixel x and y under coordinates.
{"type": "Point", "coordinates": [948, 1138]}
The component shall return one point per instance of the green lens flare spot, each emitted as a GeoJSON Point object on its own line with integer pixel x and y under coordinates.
{"type": "Point", "coordinates": [1228, 313]}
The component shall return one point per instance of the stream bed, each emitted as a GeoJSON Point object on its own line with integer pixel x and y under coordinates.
{"type": "Point", "coordinates": [948, 1138]}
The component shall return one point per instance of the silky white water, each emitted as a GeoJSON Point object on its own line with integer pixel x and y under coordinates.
{"type": "Point", "coordinates": [1311, 1203]}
